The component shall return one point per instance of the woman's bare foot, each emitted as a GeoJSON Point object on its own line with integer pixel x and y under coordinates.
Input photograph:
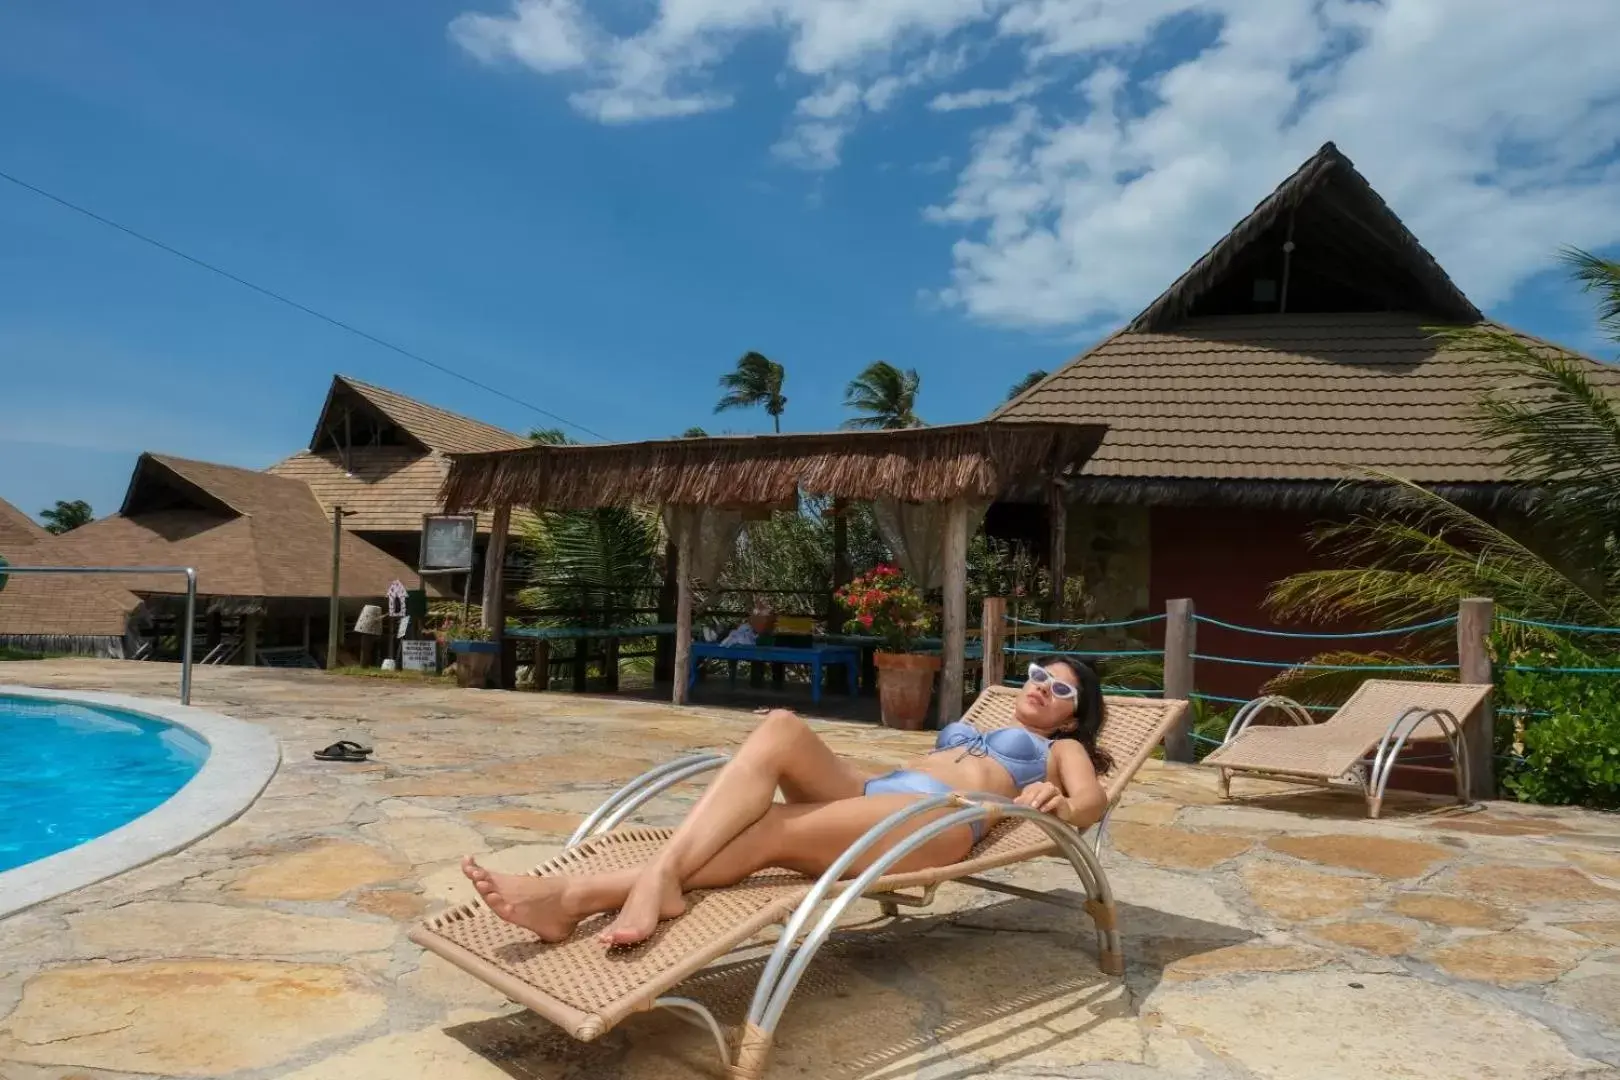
{"type": "Point", "coordinates": [537, 904]}
{"type": "Point", "coordinates": [655, 896]}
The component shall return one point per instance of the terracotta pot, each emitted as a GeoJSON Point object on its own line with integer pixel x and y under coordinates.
{"type": "Point", "coordinates": [905, 687]}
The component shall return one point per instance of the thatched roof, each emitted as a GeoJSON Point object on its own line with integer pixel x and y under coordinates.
{"type": "Point", "coordinates": [1345, 237]}
{"type": "Point", "coordinates": [249, 534]}
{"type": "Point", "coordinates": [929, 464]}
{"type": "Point", "coordinates": [382, 456]}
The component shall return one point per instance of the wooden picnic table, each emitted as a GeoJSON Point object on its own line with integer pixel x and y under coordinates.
{"type": "Point", "coordinates": [818, 657]}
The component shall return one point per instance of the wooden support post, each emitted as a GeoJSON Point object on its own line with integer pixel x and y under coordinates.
{"type": "Point", "coordinates": [994, 636]}
{"type": "Point", "coordinates": [685, 537]}
{"type": "Point", "coordinates": [954, 630]}
{"type": "Point", "coordinates": [333, 617]}
{"type": "Point", "coordinates": [250, 640]}
{"type": "Point", "coordinates": [1180, 642]}
{"type": "Point", "coordinates": [542, 665]}
{"type": "Point", "coordinates": [1057, 511]}
{"type": "Point", "coordinates": [840, 552]}
{"type": "Point", "coordinates": [1474, 618]}
{"type": "Point", "coordinates": [494, 610]}
{"type": "Point", "coordinates": [663, 644]}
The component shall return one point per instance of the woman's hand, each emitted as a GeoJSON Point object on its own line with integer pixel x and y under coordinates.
{"type": "Point", "coordinates": [1043, 796]}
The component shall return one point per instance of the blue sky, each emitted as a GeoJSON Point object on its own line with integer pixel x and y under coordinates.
{"type": "Point", "coordinates": [599, 206]}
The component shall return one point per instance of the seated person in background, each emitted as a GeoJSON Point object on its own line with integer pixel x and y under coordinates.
{"type": "Point", "coordinates": [759, 624]}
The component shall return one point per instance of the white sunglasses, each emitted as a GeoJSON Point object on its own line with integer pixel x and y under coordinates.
{"type": "Point", "coordinates": [1061, 690]}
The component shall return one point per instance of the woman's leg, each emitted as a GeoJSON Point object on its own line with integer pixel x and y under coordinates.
{"type": "Point", "coordinates": [806, 837]}
{"type": "Point", "coordinates": [782, 752]}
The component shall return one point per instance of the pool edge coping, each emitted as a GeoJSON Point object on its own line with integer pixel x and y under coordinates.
{"type": "Point", "coordinates": [242, 760]}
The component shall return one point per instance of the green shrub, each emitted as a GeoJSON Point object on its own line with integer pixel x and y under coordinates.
{"type": "Point", "coordinates": [1571, 730]}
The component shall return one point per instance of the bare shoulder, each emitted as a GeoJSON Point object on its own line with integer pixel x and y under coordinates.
{"type": "Point", "coordinates": [1069, 750]}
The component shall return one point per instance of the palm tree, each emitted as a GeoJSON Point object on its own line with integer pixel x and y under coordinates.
{"type": "Point", "coordinates": [885, 396]}
{"type": "Point", "coordinates": [1026, 383]}
{"type": "Point", "coordinates": [1417, 554]}
{"type": "Point", "coordinates": [66, 516]}
{"type": "Point", "coordinates": [756, 383]}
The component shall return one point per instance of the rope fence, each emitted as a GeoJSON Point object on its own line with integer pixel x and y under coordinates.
{"type": "Point", "coordinates": [1293, 665]}
{"type": "Point", "coordinates": [1116, 624]}
{"type": "Point", "coordinates": [1565, 628]}
{"type": "Point", "coordinates": [1415, 650]}
{"type": "Point", "coordinates": [1313, 635]}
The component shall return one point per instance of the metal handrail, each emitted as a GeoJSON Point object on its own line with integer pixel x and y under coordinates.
{"type": "Point", "coordinates": [191, 602]}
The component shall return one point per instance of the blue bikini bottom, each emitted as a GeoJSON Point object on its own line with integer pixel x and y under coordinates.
{"type": "Point", "coordinates": [913, 782]}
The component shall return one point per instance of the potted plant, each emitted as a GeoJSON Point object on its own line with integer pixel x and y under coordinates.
{"type": "Point", "coordinates": [474, 651]}
{"type": "Point", "coordinates": [883, 604]}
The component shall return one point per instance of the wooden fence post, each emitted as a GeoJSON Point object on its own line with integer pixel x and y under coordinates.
{"type": "Point", "coordinates": [1474, 618]}
{"type": "Point", "coordinates": [993, 636]}
{"type": "Point", "coordinates": [1180, 642]}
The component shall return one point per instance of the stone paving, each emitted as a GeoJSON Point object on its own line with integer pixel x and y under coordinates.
{"type": "Point", "coordinates": [1277, 937]}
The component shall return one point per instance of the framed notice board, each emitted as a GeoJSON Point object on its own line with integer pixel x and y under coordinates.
{"type": "Point", "coordinates": [447, 543]}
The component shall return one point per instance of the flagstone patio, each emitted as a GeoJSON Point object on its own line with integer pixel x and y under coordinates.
{"type": "Point", "coordinates": [1278, 937]}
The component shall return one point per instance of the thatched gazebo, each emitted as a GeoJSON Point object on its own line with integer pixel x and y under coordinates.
{"type": "Point", "coordinates": [700, 483]}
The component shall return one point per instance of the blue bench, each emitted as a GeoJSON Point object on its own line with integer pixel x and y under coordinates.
{"type": "Point", "coordinates": [816, 656]}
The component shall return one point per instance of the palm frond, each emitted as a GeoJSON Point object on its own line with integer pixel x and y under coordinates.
{"type": "Point", "coordinates": [1559, 431]}
{"type": "Point", "coordinates": [1028, 382]}
{"type": "Point", "coordinates": [884, 397]}
{"type": "Point", "coordinates": [756, 382]}
{"type": "Point", "coordinates": [1601, 276]}
{"type": "Point", "coordinates": [1416, 558]}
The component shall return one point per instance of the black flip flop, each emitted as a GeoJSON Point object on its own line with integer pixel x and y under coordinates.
{"type": "Point", "coordinates": [343, 750]}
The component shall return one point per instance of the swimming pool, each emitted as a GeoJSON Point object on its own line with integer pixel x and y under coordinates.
{"type": "Point", "coordinates": [94, 784]}
{"type": "Point", "coordinates": [70, 772]}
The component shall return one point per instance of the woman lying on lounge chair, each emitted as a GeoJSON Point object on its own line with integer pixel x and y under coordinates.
{"type": "Point", "coordinates": [1049, 761]}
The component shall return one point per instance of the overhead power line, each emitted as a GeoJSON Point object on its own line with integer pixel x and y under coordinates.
{"type": "Point", "coordinates": [290, 302]}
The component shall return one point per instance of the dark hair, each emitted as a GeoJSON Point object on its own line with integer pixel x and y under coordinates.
{"type": "Point", "coordinates": [1088, 713]}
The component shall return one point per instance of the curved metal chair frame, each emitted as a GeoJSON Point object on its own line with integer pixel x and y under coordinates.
{"type": "Point", "coordinates": [791, 957]}
{"type": "Point", "coordinates": [1370, 775]}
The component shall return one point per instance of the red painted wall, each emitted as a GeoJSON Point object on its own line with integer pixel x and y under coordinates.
{"type": "Point", "coordinates": [1226, 560]}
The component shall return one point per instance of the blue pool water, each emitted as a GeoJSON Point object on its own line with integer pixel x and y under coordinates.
{"type": "Point", "coordinates": [69, 773]}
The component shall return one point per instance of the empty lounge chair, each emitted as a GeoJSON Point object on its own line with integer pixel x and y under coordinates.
{"type": "Point", "coordinates": [1378, 720]}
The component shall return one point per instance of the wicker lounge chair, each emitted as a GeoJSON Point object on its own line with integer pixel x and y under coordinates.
{"type": "Point", "coordinates": [1379, 719]}
{"type": "Point", "coordinates": [586, 990]}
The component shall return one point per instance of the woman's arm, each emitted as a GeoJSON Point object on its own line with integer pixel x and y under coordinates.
{"type": "Point", "coordinates": [1071, 790]}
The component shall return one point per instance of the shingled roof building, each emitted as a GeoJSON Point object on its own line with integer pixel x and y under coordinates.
{"type": "Point", "coordinates": [383, 458]}
{"type": "Point", "coordinates": [1294, 353]}
{"type": "Point", "coordinates": [261, 546]}
{"type": "Point", "coordinates": [50, 613]}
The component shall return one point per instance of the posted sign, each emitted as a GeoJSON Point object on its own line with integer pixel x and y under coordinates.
{"type": "Point", "coordinates": [447, 543]}
{"type": "Point", "coordinates": [419, 655]}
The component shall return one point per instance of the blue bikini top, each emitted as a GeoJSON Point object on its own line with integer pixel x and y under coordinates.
{"type": "Point", "coordinates": [1023, 755]}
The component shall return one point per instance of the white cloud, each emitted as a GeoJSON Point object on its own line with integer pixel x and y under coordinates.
{"type": "Point", "coordinates": [1485, 124]}
{"type": "Point", "coordinates": [1489, 125]}
{"type": "Point", "coordinates": [547, 35]}
{"type": "Point", "coordinates": [985, 97]}
{"type": "Point", "coordinates": [668, 67]}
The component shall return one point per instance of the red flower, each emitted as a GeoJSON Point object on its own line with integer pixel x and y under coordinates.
{"type": "Point", "coordinates": [866, 621]}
